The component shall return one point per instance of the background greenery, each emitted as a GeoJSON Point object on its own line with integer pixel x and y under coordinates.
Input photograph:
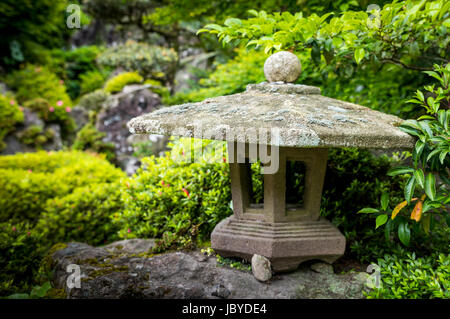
{"type": "Point", "coordinates": [374, 58]}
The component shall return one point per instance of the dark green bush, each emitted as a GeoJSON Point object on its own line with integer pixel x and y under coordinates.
{"type": "Point", "coordinates": [76, 67]}
{"type": "Point", "coordinates": [20, 255]}
{"type": "Point", "coordinates": [27, 181]}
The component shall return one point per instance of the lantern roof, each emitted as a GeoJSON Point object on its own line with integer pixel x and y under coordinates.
{"type": "Point", "coordinates": [299, 113]}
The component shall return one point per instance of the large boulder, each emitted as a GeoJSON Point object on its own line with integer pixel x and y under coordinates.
{"type": "Point", "coordinates": [126, 270]}
{"type": "Point", "coordinates": [117, 110]}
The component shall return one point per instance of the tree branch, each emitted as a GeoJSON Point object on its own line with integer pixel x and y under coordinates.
{"type": "Point", "coordinates": [406, 66]}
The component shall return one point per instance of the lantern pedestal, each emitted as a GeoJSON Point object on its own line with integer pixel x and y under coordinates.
{"type": "Point", "coordinates": [285, 233]}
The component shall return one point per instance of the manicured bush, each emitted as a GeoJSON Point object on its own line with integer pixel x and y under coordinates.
{"type": "Point", "coordinates": [117, 83]}
{"type": "Point", "coordinates": [149, 60]}
{"type": "Point", "coordinates": [38, 82]}
{"type": "Point", "coordinates": [27, 181]}
{"type": "Point", "coordinates": [83, 215]}
{"type": "Point", "coordinates": [10, 115]}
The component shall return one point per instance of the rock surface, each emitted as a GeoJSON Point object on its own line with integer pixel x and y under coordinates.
{"type": "Point", "coordinates": [261, 268]}
{"type": "Point", "coordinates": [282, 66]}
{"type": "Point", "coordinates": [114, 272]}
{"type": "Point", "coordinates": [134, 100]}
{"type": "Point", "coordinates": [287, 115]}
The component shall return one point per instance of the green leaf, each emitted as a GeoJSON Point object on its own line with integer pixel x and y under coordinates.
{"type": "Point", "coordinates": [381, 220]}
{"type": "Point", "coordinates": [384, 201]}
{"type": "Point", "coordinates": [404, 234]}
{"type": "Point", "coordinates": [409, 188]}
{"type": "Point", "coordinates": [359, 54]}
{"type": "Point", "coordinates": [368, 210]}
{"type": "Point", "coordinates": [400, 170]}
{"type": "Point", "coordinates": [420, 178]}
{"type": "Point", "coordinates": [442, 156]}
{"type": "Point", "coordinates": [430, 186]}
{"type": "Point", "coordinates": [388, 229]}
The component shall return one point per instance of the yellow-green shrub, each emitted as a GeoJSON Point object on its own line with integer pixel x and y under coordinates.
{"type": "Point", "coordinates": [10, 115]}
{"type": "Point", "coordinates": [180, 202]}
{"type": "Point", "coordinates": [84, 215]}
{"type": "Point", "coordinates": [27, 181]}
{"type": "Point", "coordinates": [117, 83]}
{"type": "Point", "coordinates": [38, 82]}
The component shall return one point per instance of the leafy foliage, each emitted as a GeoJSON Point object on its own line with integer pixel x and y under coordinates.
{"type": "Point", "coordinates": [10, 115]}
{"type": "Point", "coordinates": [90, 139]}
{"type": "Point", "coordinates": [83, 215]}
{"type": "Point", "coordinates": [413, 278]}
{"type": "Point", "coordinates": [405, 30]}
{"type": "Point", "coordinates": [149, 60]}
{"type": "Point", "coordinates": [38, 82]}
{"type": "Point", "coordinates": [93, 101]}
{"type": "Point", "coordinates": [180, 202]}
{"type": "Point", "coordinates": [117, 83]}
{"type": "Point", "coordinates": [56, 113]}
{"type": "Point", "coordinates": [19, 256]}
{"type": "Point", "coordinates": [429, 163]}
{"type": "Point", "coordinates": [28, 25]}
{"type": "Point", "coordinates": [28, 180]}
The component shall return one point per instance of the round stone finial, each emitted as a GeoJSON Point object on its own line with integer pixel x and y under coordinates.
{"type": "Point", "coordinates": [282, 66]}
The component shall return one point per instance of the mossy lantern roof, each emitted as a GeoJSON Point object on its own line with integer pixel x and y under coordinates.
{"type": "Point", "coordinates": [304, 117]}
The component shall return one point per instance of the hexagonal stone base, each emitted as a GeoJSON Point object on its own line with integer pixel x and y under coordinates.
{"type": "Point", "coordinates": [286, 244]}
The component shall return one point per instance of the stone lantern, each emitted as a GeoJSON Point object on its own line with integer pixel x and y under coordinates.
{"type": "Point", "coordinates": [280, 124]}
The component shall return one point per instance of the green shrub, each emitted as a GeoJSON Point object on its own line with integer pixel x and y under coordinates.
{"type": "Point", "coordinates": [90, 139]}
{"type": "Point", "coordinates": [10, 115]}
{"type": "Point", "coordinates": [117, 83]}
{"type": "Point", "coordinates": [426, 191]}
{"type": "Point", "coordinates": [149, 60]}
{"type": "Point", "coordinates": [38, 82]}
{"type": "Point", "coordinates": [57, 113]}
{"type": "Point", "coordinates": [75, 67]}
{"type": "Point", "coordinates": [27, 181]}
{"type": "Point", "coordinates": [182, 201]}
{"type": "Point", "coordinates": [413, 277]}
{"type": "Point", "coordinates": [83, 215]}
{"type": "Point", "coordinates": [91, 81]}
{"type": "Point", "coordinates": [20, 256]}
{"type": "Point", "coordinates": [94, 100]}
{"type": "Point", "coordinates": [35, 135]}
